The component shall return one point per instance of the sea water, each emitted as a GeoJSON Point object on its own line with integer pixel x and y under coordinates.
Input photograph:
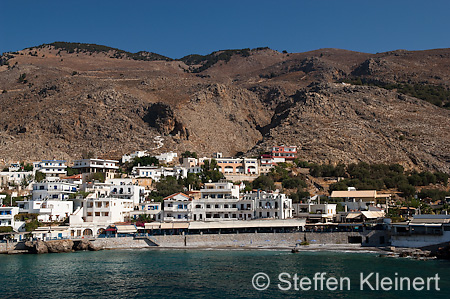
{"type": "Point", "coordinates": [158, 273]}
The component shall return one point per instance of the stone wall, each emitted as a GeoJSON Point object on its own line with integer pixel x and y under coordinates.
{"type": "Point", "coordinates": [369, 238]}
{"type": "Point", "coordinates": [241, 240]}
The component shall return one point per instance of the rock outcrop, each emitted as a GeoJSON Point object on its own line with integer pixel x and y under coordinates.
{"type": "Point", "coordinates": [59, 246]}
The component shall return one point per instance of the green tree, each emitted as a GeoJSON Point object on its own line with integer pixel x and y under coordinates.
{"type": "Point", "coordinates": [168, 186]}
{"type": "Point", "coordinates": [188, 154]}
{"type": "Point", "coordinates": [407, 190]}
{"type": "Point", "coordinates": [39, 176]}
{"type": "Point", "coordinates": [294, 183]}
{"type": "Point", "coordinates": [210, 171]}
{"type": "Point", "coordinates": [264, 182]}
{"type": "Point", "coordinates": [193, 180]}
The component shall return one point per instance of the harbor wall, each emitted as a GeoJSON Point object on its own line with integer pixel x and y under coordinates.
{"type": "Point", "coordinates": [282, 240]}
{"type": "Point", "coordinates": [245, 240]}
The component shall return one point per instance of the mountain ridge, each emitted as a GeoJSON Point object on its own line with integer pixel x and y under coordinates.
{"type": "Point", "coordinates": [245, 102]}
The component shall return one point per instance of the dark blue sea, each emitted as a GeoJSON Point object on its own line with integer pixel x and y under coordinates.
{"type": "Point", "coordinates": [211, 274]}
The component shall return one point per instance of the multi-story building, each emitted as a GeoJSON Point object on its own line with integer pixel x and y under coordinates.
{"type": "Point", "coordinates": [136, 154]}
{"type": "Point", "coordinates": [48, 210]}
{"type": "Point", "coordinates": [55, 190]}
{"type": "Point", "coordinates": [156, 173]}
{"type": "Point", "coordinates": [315, 212]}
{"type": "Point", "coordinates": [270, 205]}
{"type": "Point", "coordinates": [277, 155]}
{"type": "Point", "coordinates": [357, 200]}
{"type": "Point", "coordinates": [15, 177]}
{"type": "Point", "coordinates": [166, 157]}
{"type": "Point", "coordinates": [149, 209]}
{"type": "Point", "coordinates": [52, 168]}
{"type": "Point", "coordinates": [220, 202]}
{"type": "Point", "coordinates": [177, 207]}
{"type": "Point", "coordinates": [89, 166]}
{"type": "Point", "coordinates": [7, 218]}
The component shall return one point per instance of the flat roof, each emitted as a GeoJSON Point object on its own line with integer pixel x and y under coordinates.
{"type": "Point", "coordinates": [360, 193]}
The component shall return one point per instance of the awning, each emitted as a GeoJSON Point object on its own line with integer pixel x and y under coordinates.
{"type": "Point", "coordinates": [166, 225]}
{"type": "Point", "coordinates": [152, 225]}
{"type": "Point", "coordinates": [111, 229]}
{"type": "Point", "coordinates": [180, 225]}
{"type": "Point", "coordinates": [353, 215]}
{"type": "Point", "coordinates": [373, 214]}
{"type": "Point", "coordinates": [126, 229]}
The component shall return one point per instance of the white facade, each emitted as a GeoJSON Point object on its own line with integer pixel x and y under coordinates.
{"type": "Point", "coordinates": [156, 173]}
{"type": "Point", "coordinates": [14, 166]}
{"type": "Point", "coordinates": [136, 154]}
{"type": "Point", "coordinates": [218, 201]}
{"type": "Point", "coordinates": [148, 208]}
{"type": "Point", "coordinates": [88, 166]}
{"type": "Point", "coordinates": [271, 205]}
{"type": "Point", "coordinates": [7, 218]}
{"type": "Point", "coordinates": [166, 157]}
{"type": "Point", "coordinates": [14, 177]}
{"type": "Point", "coordinates": [52, 168]}
{"type": "Point", "coordinates": [177, 207]}
{"type": "Point", "coordinates": [129, 191]}
{"type": "Point", "coordinates": [56, 190]}
{"type": "Point", "coordinates": [48, 210]}
{"type": "Point", "coordinates": [423, 230]}
{"type": "Point", "coordinates": [221, 202]}
{"type": "Point", "coordinates": [320, 212]}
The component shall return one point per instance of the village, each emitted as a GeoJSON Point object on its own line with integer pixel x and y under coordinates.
{"type": "Point", "coordinates": [96, 198]}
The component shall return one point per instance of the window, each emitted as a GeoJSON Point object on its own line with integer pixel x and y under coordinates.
{"type": "Point", "coordinates": [198, 206]}
{"type": "Point", "coordinates": [225, 206]}
{"type": "Point", "coordinates": [234, 206]}
{"type": "Point", "coordinates": [216, 206]}
{"type": "Point", "coordinates": [208, 206]}
{"type": "Point", "coordinates": [234, 215]}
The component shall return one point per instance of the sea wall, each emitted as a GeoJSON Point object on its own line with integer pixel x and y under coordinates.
{"type": "Point", "coordinates": [245, 240]}
{"type": "Point", "coordinates": [368, 238]}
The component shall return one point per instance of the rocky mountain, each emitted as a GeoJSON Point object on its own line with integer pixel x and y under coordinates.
{"type": "Point", "coordinates": [63, 100]}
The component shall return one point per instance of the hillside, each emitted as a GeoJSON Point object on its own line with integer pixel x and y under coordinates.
{"type": "Point", "coordinates": [62, 100]}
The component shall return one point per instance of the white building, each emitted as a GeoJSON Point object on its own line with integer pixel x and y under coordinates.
{"type": "Point", "coordinates": [7, 218]}
{"type": "Point", "coordinates": [14, 177]}
{"type": "Point", "coordinates": [271, 205]}
{"type": "Point", "coordinates": [359, 200]}
{"type": "Point", "coordinates": [55, 190]}
{"type": "Point", "coordinates": [166, 157]}
{"type": "Point", "coordinates": [48, 210]}
{"type": "Point", "coordinates": [218, 201]}
{"type": "Point", "coordinates": [129, 191]}
{"type": "Point", "coordinates": [89, 166]}
{"type": "Point", "coordinates": [136, 154]}
{"type": "Point", "coordinates": [147, 208]}
{"type": "Point", "coordinates": [177, 207]}
{"type": "Point", "coordinates": [156, 173]}
{"type": "Point", "coordinates": [315, 212]}
{"type": "Point", "coordinates": [15, 166]}
{"type": "Point", "coordinates": [52, 168]}
{"type": "Point", "coordinates": [106, 205]}
{"type": "Point", "coordinates": [421, 231]}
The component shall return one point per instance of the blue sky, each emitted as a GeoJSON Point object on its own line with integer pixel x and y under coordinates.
{"type": "Point", "coordinates": [179, 28]}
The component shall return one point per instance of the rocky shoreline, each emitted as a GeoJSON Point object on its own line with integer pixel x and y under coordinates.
{"type": "Point", "coordinates": [59, 246]}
